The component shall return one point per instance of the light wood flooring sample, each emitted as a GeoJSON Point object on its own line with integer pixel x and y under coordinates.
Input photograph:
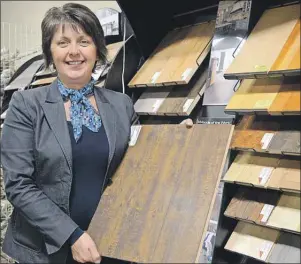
{"type": "Point", "coordinates": [177, 57]}
{"type": "Point", "coordinates": [113, 49]}
{"type": "Point", "coordinates": [289, 57]}
{"type": "Point", "coordinates": [268, 45]}
{"type": "Point", "coordinates": [251, 240]}
{"type": "Point", "coordinates": [162, 194]}
{"type": "Point", "coordinates": [286, 142]}
{"type": "Point", "coordinates": [252, 168]}
{"type": "Point", "coordinates": [286, 249]}
{"type": "Point", "coordinates": [287, 101]}
{"type": "Point", "coordinates": [24, 79]}
{"type": "Point", "coordinates": [286, 215]}
{"type": "Point", "coordinates": [44, 81]}
{"type": "Point", "coordinates": [254, 95]}
{"type": "Point", "coordinates": [287, 175]}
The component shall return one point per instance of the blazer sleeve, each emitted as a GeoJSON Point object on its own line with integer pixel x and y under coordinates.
{"type": "Point", "coordinates": [17, 156]}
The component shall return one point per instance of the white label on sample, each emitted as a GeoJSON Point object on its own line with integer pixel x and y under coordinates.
{"type": "Point", "coordinates": [265, 249]}
{"type": "Point", "coordinates": [266, 139]}
{"type": "Point", "coordinates": [135, 131]}
{"type": "Point", "coordinates": [155, 77]}
{"type": "Point", "coordinates": [262, 104]}
{"type": "Point", "coordinates": [186, 73]}
{"type": "Point", "coordinates": [264, 175]}
{"type": "Point", "coordinates": [266, 212]}
{"type": "Point", "coordinates": [157, 104]}
{"type": "Point", "coordinates": [187, 104]}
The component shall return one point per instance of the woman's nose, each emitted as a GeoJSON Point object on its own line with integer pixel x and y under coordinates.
{"type": "Point", "coordinates": [73, 49]}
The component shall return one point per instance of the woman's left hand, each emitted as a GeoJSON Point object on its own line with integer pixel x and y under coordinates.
{"type": "Point", "coordinates": [188, 122]}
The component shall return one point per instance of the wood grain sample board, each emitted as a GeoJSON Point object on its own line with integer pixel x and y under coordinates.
{"type": "Point", "coordinates": [113, 49]}
{"type": "Point", "coordinates": [265, 171]}
{"type": "Point", "coordinates": [286, 215]}
{"type": "Point", "coordinates": [44, 81]}
{"type": "Point", "coordinates": [24, 79]}
{"type": "Point", "coordinates": [252, 240]}
{"type": "Point", "coordinates": [275, 53]}
{"type": "Point", "coordinates": [277, 135]}
{"type": "Point", "coordinates": [177, 57]}
{"type": "Point", "coordinates": [174, 100]}
{"type": "Point", "coordinates": [162, 195]}
{"type": "Point", "coordinates": [253, 205]}
{"type": "Point", "coordinates": [274, 96]}
{"type": "Point", "coordinates": [286, 249]}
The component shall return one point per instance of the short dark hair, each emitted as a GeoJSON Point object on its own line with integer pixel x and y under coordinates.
{"type": "Point", "coordinates": [78, 16]}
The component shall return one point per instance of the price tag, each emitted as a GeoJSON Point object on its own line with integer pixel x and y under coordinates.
{"type": "Point", "coordinates": [186, 73]}
{"type": "Point", "coordinates": [155, 77]}
{"type": "Point", "coordinates": [266, 139]}
{"type": "Point", "coordinates": [261, 67]}
{"type": "Point", "coordinates": [265, 249]}
{"type": "Point", "coordinates": [266, 212]}
{"type": "Point", "coordinates": [157, 104]}
{"type": "Point", "coordinates": [262, 104]}
{"type": "Point", "coordinates": [187, 104]}
{"type": "Point", "coordinates": [264, 175]}
{"type": "Point", "coordinates": [135, 131]}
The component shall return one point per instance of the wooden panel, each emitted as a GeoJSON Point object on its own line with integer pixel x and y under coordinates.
{"type": "Point", "coordinates": [182, 100]}
{"type": "Point", "coordinates": [254, 95]}
{"type": "Point", "coordinates": [286, 142]}
{"type": "Point", "coordinates": [265, 42]}
{"type": "Point", "coordinates": [144, 212]}
{"type": "Point", "coordinates": [250, 131]}
{"type": "Point", "coordinates": [24, 79]}
{"type": "Point", "coordinates": [286, 249]}
{"type": "Point", "coordinates": [287, 100]}
{"type": "Point", "coordinates": [176, 58]}
{"type": "Point", "coordinates": [287, 175]}
{"type": "Point", "coordinates": [248, 203]}
{"type": "Point", "coordinates": [289, 57]}
{"type": "Point", "coordinates": [44, 81]}
{"type": "Point", "coordinates": [252, 168]}
{"type": "Point", "coordinates": [150, 101]}
{"type": "Point", "coordinates": [251, 240]}
{"type": "Point", "coordinates": [286, 215]}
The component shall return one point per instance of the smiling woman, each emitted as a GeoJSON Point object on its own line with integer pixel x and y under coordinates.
{"type": "Point", "coordinates": [61, 144]}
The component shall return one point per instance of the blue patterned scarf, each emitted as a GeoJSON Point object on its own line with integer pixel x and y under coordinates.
{"type": "Point", "coordinates": [81, 110]}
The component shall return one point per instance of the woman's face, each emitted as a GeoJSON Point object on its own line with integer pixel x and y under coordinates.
{"type": "Point", "coordinates": [74, 55]}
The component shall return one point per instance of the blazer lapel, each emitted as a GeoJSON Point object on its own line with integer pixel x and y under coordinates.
{"type": "Point", "coordinates": [108, 120]}
{"type": "Point", "coordinates": [55, 114]}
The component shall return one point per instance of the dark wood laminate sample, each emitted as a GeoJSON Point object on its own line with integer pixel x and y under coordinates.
{"type": "Point", "coordinates": [162, 190]}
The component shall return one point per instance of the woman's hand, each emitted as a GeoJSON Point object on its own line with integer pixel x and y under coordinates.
{"type": "Point", "coordinates": [188, 122]}
{"type": "Point", "coordinates": [84, 250]}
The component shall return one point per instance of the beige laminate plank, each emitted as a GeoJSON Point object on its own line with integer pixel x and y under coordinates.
{"type": "Point", "coordinates": [263, 40]}
{"type": "Point", "coordinates": [286, 215]}
{"type": "Point", "coordinates": [251, 240]}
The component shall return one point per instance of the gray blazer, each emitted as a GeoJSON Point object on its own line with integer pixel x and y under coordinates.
{"type": "Point", "coordinates": [37, 164]}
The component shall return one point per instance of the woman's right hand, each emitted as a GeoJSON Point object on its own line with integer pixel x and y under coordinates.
{"type": "Point", "coordinates": [84, 250]}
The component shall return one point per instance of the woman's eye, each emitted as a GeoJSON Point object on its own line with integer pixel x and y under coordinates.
{"type": "Point", "coordinates": [62, 43]}
{"type": "Point", "coordinates": [84, 42]}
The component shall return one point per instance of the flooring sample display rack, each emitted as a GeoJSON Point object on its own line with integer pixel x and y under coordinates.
{"type": "Point", "coordinates": [177, 57]}
{"type": "Point", "coordinates": [142, 215]}
{"type": "Point", "coordinates": [277, 54]}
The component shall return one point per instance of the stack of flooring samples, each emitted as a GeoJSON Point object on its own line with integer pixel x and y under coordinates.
{"type": "Point", "coordinates": [265, 244]}
{"type": "Point", "coordinates": [265, 171]}
{"type": "Point", "coordinates": [253, 241]}
{"type": "Point", "coordinates": [274, 96]}
{"type": "Point", "coordinates": [177, 57]}
{"type": "Point", "coordinates": [273, 47]}
{"type": "Point", "coordinates": [42, 82]}
{"type": "Point", "coordinates": [277, 135]}
{"type": "Point", "coordinates": [158, 207]}
{"type": "Point", "coordinates": [24, 79]}
{"type": "Point", "coordinates": [173, 100]}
